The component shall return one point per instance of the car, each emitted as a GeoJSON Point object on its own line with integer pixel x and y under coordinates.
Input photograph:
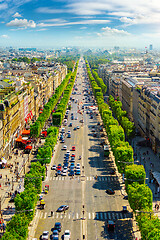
{"type": "Point", "coordinates": [71, 114]}
{"type": "Point", "coordinates": [73, 155]}
{"type": "Point", "coordinates": [63, 130]}
{"type": "Point", "coordinates": [102, 135]}
{"type": "Point", "coordinates": [78, 172]}
{"type": "Point", "coordinates": [70, 125]}
{"type": "Point", "coordinates": [81, 121]}
{"type": "Point", "coordinates": [78, 168]}
{"type": "Point", "coordinates": [61, 137]}
{"type": "Point", "coordinates": [54, 237]}
{"type": "Point", "coordinates": [64, 147]}
{"type": "Point", "coordinates": [66, 164]}
{"type": "Point", "coordinates": [75, 118]}
{"type": "Point", "coordinates": [71, 173]}
{"type": "Point", "coordinates": [78, 164]}
{"type": "Point", "coordinates": [59, 168]}
{"type": "Point", "coordinates": [72, 159]}
{"type": "Point", "coordinates": [91, 117]}
{"type": "Point", "coordinates": [57, 226]}
{"type": "Point", "coordinates": [54, 234]}
{"type": "Point", "coordinates": [69, 132]}
{"type": "Point", "coordinates": [45, 235]}
{"type": "Point", "coordinates": [94, 134]}
{"type": "Point", "coordinates": [64, 173]}
{"type": "Point", "coordinates": [66, 235]}
{"type": "Point", "coordinates": [58, 172]}
{"type": "Point", "coordinates": [93, 130]}
{"type": "Point", "coordinates": [63, 208]}
{"type": "Point", "coordinates": [111, 225]}
{"type": "Point", "coordinates": [72, 117]}
{"type": "Point", "coordinates": [54, 167]}
{"type": "Point", "coordinates": [110, 191]}
{"type": "Point", "coordinates": [63, 141]}
{"type": "Point", "coordinates": [69, 135]}
{"type": "Point", "coordinates": [78, 127]}
{"type": "Point", "coordinates": [68, 152]}
{"type": "Point", "coordinates": [75, 128]}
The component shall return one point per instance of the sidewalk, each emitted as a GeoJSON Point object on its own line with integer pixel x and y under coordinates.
{"type": "Point", "coordinates": [151, 162]}
{"type": "Point", "coordinates": [10, 184]}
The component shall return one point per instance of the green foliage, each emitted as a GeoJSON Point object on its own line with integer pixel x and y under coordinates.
{"type": "Point", "coordinates": [57, 119]}
{"type": "Point", "coordinates": [123, 154]}
{"type": "Point", "coordinates": [44, 154]}
{"type": "Point", "coordinates": [135, 173]}
{"type": "Point", "coordinates": [18, 227]}
{"type": "Point", "coordinates": [121, 115]}
{"type": "Point", "coordinates": [27, 199]}
{"type": "Point", "coordinates": [140, 196]}
{"type": "Point", "coordinates": [99, 81]}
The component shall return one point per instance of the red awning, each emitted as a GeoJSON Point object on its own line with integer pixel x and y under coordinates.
{"type": "Point", "coordinates": [19, 139]}
{"type": "Point", "coordinates": [28, 147]}
{"type": "Point", "coordinates": [25, 132]}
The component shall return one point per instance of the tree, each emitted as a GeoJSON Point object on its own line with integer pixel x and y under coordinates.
{"type": "Point", "coordinates": [140, 197]}
{"type": "Point", "coordinates": [135, 173]}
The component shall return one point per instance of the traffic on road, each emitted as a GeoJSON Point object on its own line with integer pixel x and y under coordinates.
{"type": "Point", "coordinates": [84, 200]}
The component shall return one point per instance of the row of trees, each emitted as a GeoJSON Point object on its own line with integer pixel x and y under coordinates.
{"type": "Point", "coordinates": [48, 108]}
{"type": "Point", "coordinates": [139, 194]}
{"type": "Point", "coordinates": [25, 202]}
{"type": "Point", "coordinates": [69, 61]}
{"type": "Point", "coordinates": [99, 81]}
{"type": "Point", "coordinates": [121, 116]}
{"type": "Point", "coordinates": [27, 60]}
{"type": "Point", "coordinates": [45, 152]}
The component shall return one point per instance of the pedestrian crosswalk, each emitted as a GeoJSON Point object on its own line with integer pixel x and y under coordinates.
{"type": "Point", "coordinates": [90, 215]}
{"type": "Point", "coordinates": [87, 178]}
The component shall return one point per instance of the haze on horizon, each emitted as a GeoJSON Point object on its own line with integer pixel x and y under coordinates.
{"type": "Point", "coordinates": [84, 23]}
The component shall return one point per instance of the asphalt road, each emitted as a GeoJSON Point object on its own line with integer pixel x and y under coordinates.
{"type": "Point", "coordinates": [84, 193]}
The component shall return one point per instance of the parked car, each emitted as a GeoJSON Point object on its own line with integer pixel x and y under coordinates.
{"type": "Point", "coordinates": [67, 235]}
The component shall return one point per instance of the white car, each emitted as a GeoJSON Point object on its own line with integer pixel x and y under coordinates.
{"type": "Point", "coordinates": [69, 131]}
{"type": "Point", "coordinates": [68, 152]}
{"type": "Point", "coordinates": [78, 164]}
{"type": "Point", "coordinates": [64, 147]}
{"type": "Point", "coordinates": [67, 235]}
{"type": "Point", "coordinates": [64, 173]}
{"type": "Point", "coordinates": [45, 235]}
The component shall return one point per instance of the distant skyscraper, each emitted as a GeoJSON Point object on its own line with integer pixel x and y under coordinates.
{"type": "Point", "coordinates": [150, 47]}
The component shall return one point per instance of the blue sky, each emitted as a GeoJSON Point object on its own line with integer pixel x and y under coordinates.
{"type": "Point", "coordinates": [84, 23]}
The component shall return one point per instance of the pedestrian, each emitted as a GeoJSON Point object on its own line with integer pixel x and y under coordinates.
{"type": "Point", "coordinates": [157, 207]}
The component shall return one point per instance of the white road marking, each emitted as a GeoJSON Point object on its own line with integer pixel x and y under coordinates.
{"type": "Point", "coordinates": [109, 215]}
{"type": "Point", "coordinates": [113, 216]}
{"type": "Point", "coordinates": [62, 178]}
{"type": "Point", "coordinates": [53, 178]}
{"type": "Point", "coordinates": [53, 215]}
{"type": "Point", "coordinates": [101, 216]}
{"type": "Point", "coordinates": [89, 215]}
{"type": "Point", "coordinates": [57, 215]}
{"type": "Point", "coordinates": [50, 178]}
{"type": "Point", "coordinates": [56, 178]}
{"type": "Point", "coordinates": [121, 215]}
{"type": "Point", "coordinates": [77, 215]}
{"type": "Point", "coordinates": [61, 215]}
{"type": "Point", "coordinates": [69, 216]}
{"type": "Point", "coordinates": [105, 215]}
{"type": "Point", "coordinates": [90, 178]}
{"type": "Point", "coordinates": [45, 214]}
{"type": "Point", "coordinates": [41, 214]}
{"type": "Point", "coordinates": [87, 178]}
{"type": "Point", "coordinates": [93, 215]}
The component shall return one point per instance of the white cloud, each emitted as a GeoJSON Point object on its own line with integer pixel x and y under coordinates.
{"type": "Point", "coordinates": [111, 32]}
{"type": "Point", "coordinates": [17, 15]}
{"type": "Point", "coordinates": [83, 28]}
{"type": "Point", "coordinates": [49, 10]}
{"type": "Point", "coordinates": [4, 36]}
{"type": "Point", "coordinates": [41, 29]}
{"type": "Point", "coordinates": [91, 21]}
{"type": "Point", "coordinates": [21, 23]}
{"type": "Point", "coordinates": [3, 6]}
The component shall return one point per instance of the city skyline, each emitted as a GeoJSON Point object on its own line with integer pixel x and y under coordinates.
{"type": "Point", "coordinates": [101, 23]}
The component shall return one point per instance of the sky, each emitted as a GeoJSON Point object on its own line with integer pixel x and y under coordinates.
{"type": "Point", "coordinates": [83, 23]}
